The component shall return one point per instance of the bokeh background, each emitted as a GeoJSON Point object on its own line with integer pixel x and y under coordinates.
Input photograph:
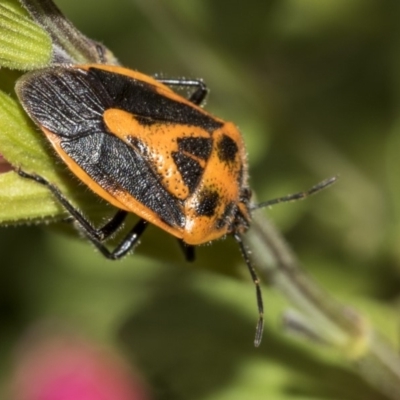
{"type": "Point", "coordinates": [314, 87]}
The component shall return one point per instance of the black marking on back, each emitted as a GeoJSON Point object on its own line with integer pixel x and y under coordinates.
{"type": "Point", "coordinates": [198, 146]}
{"type": "Point", "coordinates": [189, 168]}
{"type": "Point", "coordinates": [227, 149]}
{"type": "Point", "coordinates": [116, 166]}
{"type": "Point", "coordinates": [141, 99]}
{"type": "Point", "coordinates": [70, 101]}
{"type": "Point", "coordinates": [208, 202]}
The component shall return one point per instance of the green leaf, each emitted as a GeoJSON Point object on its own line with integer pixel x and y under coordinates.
{"type": "Point", "coordinates": [22, 201]}
{"type": "Point", "coordinates": [23, 44]}
{"type": "Point", "coordinates": [22, 146]}
{"type": "Point", "coordinates": [20, 143]}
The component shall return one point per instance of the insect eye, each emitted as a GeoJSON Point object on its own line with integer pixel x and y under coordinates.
{"type": "Point", "coordinates": [245, 195]}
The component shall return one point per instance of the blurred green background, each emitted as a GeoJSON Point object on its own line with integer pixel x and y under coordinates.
{"type": "Point", "coordinates": [314, 86]}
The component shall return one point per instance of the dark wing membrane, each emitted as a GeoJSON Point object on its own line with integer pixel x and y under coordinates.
{"type": "Point", "coordinates": [65, 101]}
{"type": "Point", "coordinates": [118, 167]}
{"type": "Point", "coordinates": [142, 99]}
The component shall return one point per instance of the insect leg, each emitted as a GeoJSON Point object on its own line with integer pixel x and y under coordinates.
{"type": "Point", "coordinates": [254, 277]}
{"type": "Point", "coordinates": [96, 236]}
{"type": "Point", "coordinates": [188, 251]}
{"type": "Point", "coordinates": [112, 225]}
{"type": "Point", "coordinates": [126, 244]}
{"type": "Point", "coordinates": [201, 89]}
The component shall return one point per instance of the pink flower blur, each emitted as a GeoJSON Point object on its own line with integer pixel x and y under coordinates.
{"type": "Point", "coordinates": [70, 369]}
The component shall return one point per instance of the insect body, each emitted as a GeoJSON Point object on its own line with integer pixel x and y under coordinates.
{"type": "Point", "coordinates": [146, 150]}
{"type": "Point", "coordinates": [143, 148]}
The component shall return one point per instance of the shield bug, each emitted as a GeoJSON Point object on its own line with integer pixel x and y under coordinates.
{"type": "Point", "coordinates": [145, 150]}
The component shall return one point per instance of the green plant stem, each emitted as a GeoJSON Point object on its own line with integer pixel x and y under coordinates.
{"type": "Point", "coordinates": [68, 43]}
{"type": "Point", "coordinates": [331, 322]}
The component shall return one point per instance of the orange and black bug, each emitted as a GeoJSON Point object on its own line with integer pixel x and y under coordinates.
{"type": "Point", "coordinates": [146, 150]}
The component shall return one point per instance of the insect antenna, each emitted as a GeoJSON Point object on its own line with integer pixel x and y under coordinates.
{"type": "Point", "coordinates": [246, 254]}
{"type": "Point", "coordinates": [296, 196]}
{"type": "Point", "coordinates": [254, 277]}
